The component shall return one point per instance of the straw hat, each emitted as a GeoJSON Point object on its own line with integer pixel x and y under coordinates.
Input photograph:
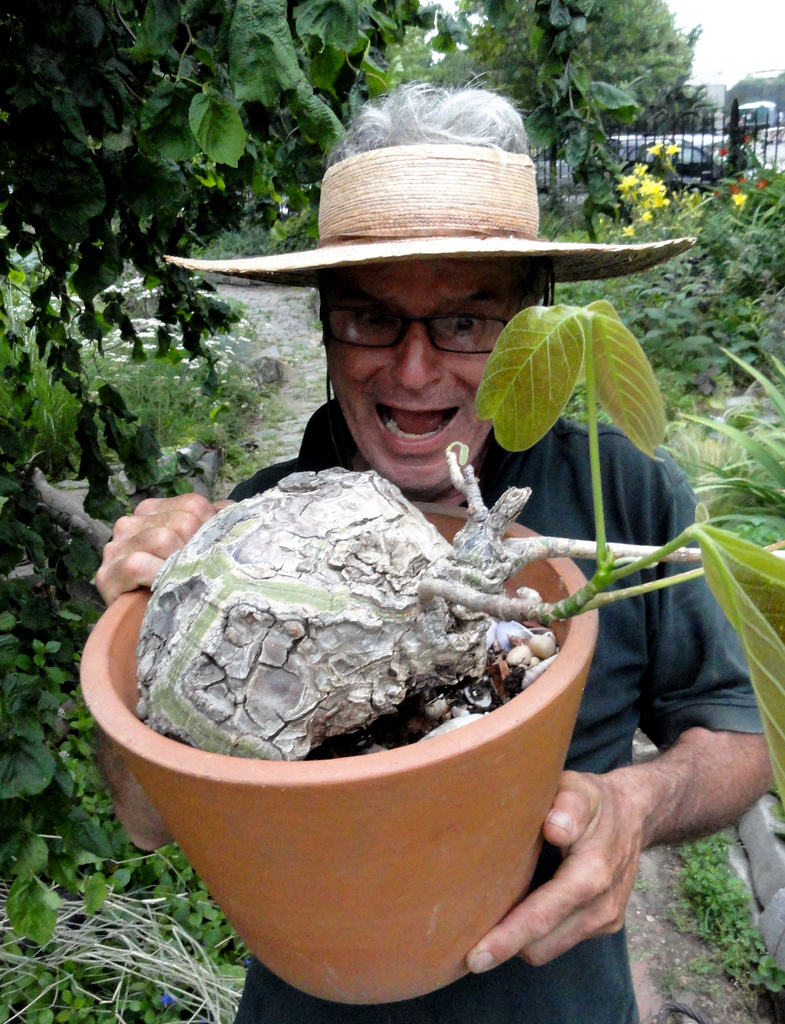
{"type": "Point", "coordinates": [430, 201]}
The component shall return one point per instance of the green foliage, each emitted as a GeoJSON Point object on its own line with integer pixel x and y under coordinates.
{"type": "Point", "coordinates": [720, 904]}
{"type": "Point", "coordinates": [725, 298]}
{"type": "Point", "coordinates": [127, 131]}
{"type": "Point", "coordinates": [531, 374]}
{"type": "Point", "coordinates": [752, 483]}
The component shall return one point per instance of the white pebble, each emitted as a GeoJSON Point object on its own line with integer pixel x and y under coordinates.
{"type": "Point", "coordinates": [542, 645]}
{"type": "Point", "coordinates": [437, 708]}
{"type": "Point", "coordinates": [454, 723]}
{"type": "Point", "coordinates": [520, 655]}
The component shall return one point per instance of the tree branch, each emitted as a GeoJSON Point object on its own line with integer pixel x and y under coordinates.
{"type": "Point", "coordinates": [66, 510]}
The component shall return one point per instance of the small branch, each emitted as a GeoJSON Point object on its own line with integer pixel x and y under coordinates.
{"type": "Point", "coordinates": [535, 549]}
{"type": "Point", "coordinates": [465, 482]}
{"type": "Point", "coordinates": [507, 609]}
{"type": "Point", "coordinates": [66, 510]}
{"type": "Point", "coordinates": [644, 588]}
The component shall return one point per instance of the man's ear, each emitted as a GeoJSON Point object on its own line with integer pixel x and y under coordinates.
{"type": "Point", "coordinates": [534, 282]}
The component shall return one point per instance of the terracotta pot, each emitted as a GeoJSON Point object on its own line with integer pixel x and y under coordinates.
{"type": "Point", "coordinates": [363, 879]}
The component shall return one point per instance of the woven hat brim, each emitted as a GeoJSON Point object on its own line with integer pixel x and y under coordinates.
{"type": "Point", "coordinates": [572, 261]}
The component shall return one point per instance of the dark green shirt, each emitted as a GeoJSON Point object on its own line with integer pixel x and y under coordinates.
{"type": "Point", "coordinates": [666, 662]}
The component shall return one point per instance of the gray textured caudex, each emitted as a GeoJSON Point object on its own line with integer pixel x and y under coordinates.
{"type": "Point", "coordinates": [298, 615]}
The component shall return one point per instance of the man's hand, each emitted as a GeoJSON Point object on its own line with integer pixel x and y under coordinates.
{"type": "Point", "coordinates": [600, 839]}
{"type": "Point", "coordinates": [602, 822]}
{"type": "Point", "coordinates": [141, 543]}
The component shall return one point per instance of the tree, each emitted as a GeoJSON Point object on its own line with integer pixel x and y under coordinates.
{"type": "Point", "coordinates": [634, 45]}
{"type": "Point", "coordinates": [129, 129]}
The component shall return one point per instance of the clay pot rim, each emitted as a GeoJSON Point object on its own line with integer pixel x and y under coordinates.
{"type": "Point", "coordinates": [129, 732]}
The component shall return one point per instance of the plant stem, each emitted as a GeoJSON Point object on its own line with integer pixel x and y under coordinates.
{"type": "Point", "coordinates": [594, 447]}
{"type": "Point", "coordinates": [644, 588]}
{"type": "Point", "coordinates": [653, 558]}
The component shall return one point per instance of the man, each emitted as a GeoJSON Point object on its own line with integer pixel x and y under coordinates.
{"type": "Point", "coordinates": [428, 246]}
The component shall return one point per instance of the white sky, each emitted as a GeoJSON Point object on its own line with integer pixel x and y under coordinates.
{"type": "Point", "coordinates": [738, 38]}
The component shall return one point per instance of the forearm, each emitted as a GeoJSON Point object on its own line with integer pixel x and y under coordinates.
{"type": "Point", "coordinates": [706, 781]}
{"type": "Point", "coordinates": [139, 818]}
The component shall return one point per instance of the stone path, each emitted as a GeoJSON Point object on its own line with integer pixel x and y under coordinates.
{"type": "Point", "coordinates": [666, 964]}
{"type": "Point", "coordinates": [287, 326]}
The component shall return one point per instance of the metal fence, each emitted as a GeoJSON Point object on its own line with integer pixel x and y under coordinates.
{"type": "Point", "coordinates": [709, 148]}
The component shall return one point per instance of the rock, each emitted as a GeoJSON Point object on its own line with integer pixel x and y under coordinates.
{"type": "Point", "coordinates": [772, 927]}
{"type": "Point", "coordinates": [520, 655]}
{"type": "Point", "coordinates": [765, 849]}
{"type": "Point", "coordinates": [542, 645]}
{"type": "Point", "coordinates": [739, 865]}
{"type": "Point", "coordinates": [268, 370]}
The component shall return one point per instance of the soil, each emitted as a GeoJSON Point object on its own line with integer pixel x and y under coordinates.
{"type": "Point", "coordinates": [667, 964]}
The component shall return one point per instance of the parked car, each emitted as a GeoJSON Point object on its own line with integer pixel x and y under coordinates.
{"type": "Point", "coordinates": [698, 161]}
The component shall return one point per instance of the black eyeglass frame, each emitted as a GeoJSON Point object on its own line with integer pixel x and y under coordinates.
{"type": "Point", "coordinates": [406, 322]}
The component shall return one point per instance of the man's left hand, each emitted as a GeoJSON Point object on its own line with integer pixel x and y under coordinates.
{"type": "Point", "coordinates": [600, 837]}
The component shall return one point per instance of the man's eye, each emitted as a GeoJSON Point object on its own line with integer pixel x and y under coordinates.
{"type": "Point", "coordinates": [465, 324]}
{"type": "Point", "coordinates": [368, 320]}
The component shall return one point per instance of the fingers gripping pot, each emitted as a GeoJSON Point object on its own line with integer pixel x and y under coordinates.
{"type": "Point", "coordinates": [362, 879]}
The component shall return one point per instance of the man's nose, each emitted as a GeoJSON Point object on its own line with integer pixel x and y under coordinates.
{"type": "Point", "coordinates": [417, 362]}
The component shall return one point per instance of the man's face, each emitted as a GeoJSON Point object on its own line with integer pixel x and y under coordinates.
{"type": "Point", "coordinates": [404, 405]}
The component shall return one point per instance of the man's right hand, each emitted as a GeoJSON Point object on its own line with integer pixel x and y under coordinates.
{"type": "Point", "coordinates": [142, 542]}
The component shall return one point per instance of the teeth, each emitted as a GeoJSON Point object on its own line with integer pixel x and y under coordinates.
{"type": "Point", "coordinates": [393, 427]}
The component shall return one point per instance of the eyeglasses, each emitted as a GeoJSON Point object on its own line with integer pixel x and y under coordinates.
{"type": "Point", "coordinates": [466, 332]}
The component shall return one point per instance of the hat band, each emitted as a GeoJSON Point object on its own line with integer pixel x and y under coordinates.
{"type": "Point", "coordinates": [429, 191]}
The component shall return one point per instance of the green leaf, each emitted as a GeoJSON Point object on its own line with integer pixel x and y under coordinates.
{"type": "Point", "coordinates": [157, 31]}
{"type": "Point", "coordinates": [314, 118]}
{"type": "Point", "coordinates": [616, 100]}
{"type": "Point", "coordinates": [32, 857]}
{"type": "Point", "coordinates": [531, 373]}
{"type": "Point", "coordinates": [217, 127]}
{"type": "Point", "coordinates": [749, 585]}
{"type": "Point", "coordinates": [164, 122]}
{"type": "Point", "coordinates": [87, 834]}
{"type": "Point", "coordinates": [262, 58]}
{"type": "Point", "coordinates": [334, 22]}
{"type": "Point", "coordinates": [32, 909]}
{"type": "Point", "coordinates": [95, 892]}
{"type": "Point", "coordinates": [626, 387]}
{"type": "Point", "coordinates": [26, 768]}
{"type": "Point", "coordinates": [325, 67]}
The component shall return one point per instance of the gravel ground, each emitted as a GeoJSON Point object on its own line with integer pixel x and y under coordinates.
{"type": "Point", "coordinates": [666, 964]}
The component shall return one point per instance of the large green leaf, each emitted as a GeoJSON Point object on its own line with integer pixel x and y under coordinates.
{"type": "Point", "coordinates": [330, 21]}
{"type": "Point", "coordinates": [531, 373]}
{"type": "Point", "coordinates": [217, 127]}
{"type": "Point", "coordinates": [626, 387]}
{"type": "Point", "coordinates": [315, 119]}
{"type": "Point", "coordinates": [32, 909]}
{"type": "Point", "coordinates": [158, 28]}
{"type": "Point", "coordinates": [749, 585]}
{"type": "Point", "coordinates": [262, 57]}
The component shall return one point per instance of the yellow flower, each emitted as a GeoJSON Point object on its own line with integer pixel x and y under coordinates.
{"type": "Point", "coordinates": [647, 216]}
{"type": "Point", "coordinates": [672, 150]}
{"type": "Point", "coordinates": [629, 231]}
{"type": "Point", "coordinates": [739, 199]}
{"type": "Point", "coordinates": [627, 184]}
{"type": "Point", "coordinates": [656, 149]}
{"type": "Point", "coordinates": [640, 170]}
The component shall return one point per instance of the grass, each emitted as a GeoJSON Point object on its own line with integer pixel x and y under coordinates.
{"type": "Point", "coordinates": [716, 905]}
{"type": "Point", "coordinates": [129, 962]}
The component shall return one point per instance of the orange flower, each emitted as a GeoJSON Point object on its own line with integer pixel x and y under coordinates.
{"type": "Point", "coordinates": [734, 189]}
{"type": "Point", "coordinates": [761, 184]}
{"type": "Point", "coordinates": [723, 151]}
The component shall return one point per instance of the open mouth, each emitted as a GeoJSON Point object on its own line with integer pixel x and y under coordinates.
{"type": "Point", "coordinates": [415, 425]}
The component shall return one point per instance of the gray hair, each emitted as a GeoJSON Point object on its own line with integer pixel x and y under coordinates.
{"type": "Point", "coordinates": [419, 113]}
